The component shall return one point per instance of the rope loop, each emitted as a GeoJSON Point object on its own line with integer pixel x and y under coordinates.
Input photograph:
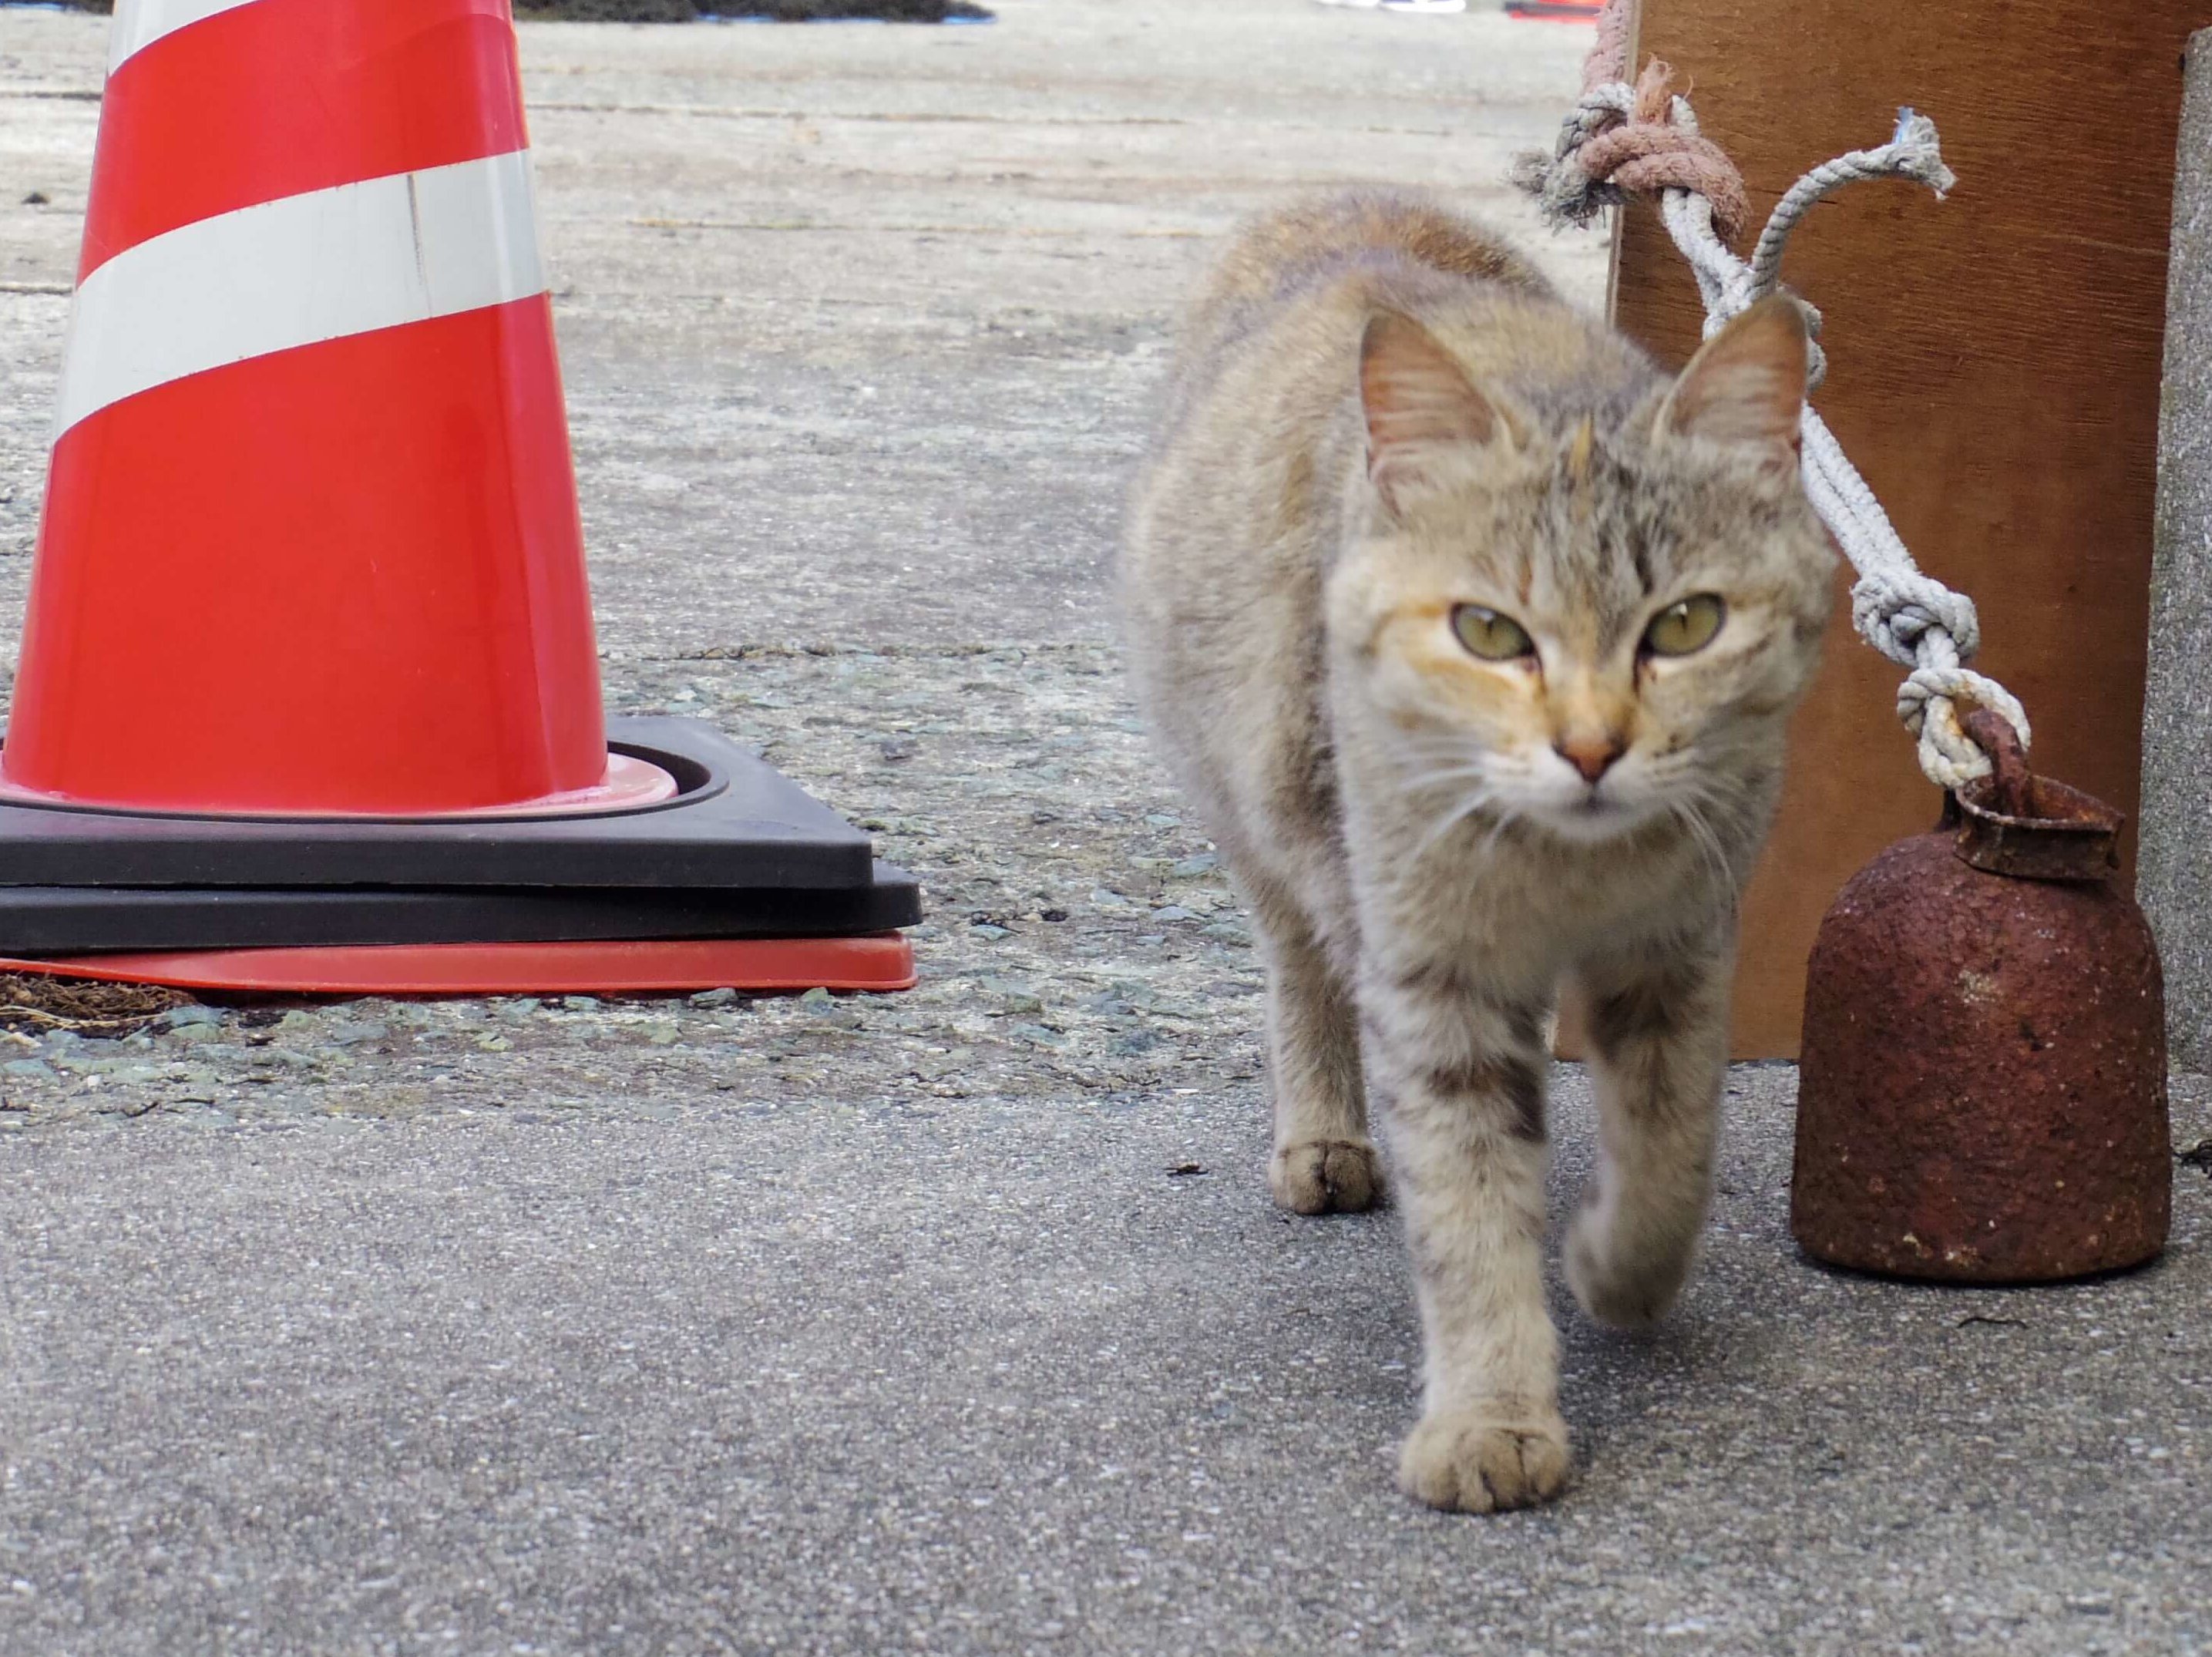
{"type": "Point", "coordinates": [1928, 702]}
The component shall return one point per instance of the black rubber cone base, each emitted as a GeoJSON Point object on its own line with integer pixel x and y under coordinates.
{"type": "Point", "coordinates": [741, 854]}
{"type": "Point", "coordinates": [735, 823]}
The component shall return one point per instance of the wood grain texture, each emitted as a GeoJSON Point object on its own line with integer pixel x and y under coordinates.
{"type": "Point", "coordinates": [1994, 374]}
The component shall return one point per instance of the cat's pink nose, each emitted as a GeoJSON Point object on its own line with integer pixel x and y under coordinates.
{"type": "Point", "coordinates": [1591, 755]}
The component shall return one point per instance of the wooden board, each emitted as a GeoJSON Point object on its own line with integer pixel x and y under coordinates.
{"type": "Point", "coordinates": [1994, 373]}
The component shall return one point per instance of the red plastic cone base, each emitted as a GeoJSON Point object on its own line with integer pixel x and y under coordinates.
{"type": "Point", "coordinates": [880, 961]}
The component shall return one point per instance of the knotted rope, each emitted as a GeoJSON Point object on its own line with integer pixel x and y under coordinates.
{"type": "Point", "coordinates": [1643, 140]}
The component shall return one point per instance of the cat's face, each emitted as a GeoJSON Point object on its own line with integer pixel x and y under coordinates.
{"type": "Point", "coordinates": [1583, 629]}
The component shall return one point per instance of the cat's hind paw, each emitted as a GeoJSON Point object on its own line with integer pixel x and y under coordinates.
{"type": "Point", "coordinates": [1326, 1176]}
{"type": "Point", "coordinates": [1475, 1459]}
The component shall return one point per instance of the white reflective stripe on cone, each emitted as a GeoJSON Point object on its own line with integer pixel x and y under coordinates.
{"type": "Point", "coordinates": [139, 23]}
{"type": "Point", "coordinates": [299, 270]}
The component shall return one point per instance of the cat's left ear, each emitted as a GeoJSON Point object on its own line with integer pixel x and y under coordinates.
{"type": "Point", "coordinates": [1421, 408]}
{"type": "Point", "coordinates": [1747, 383]}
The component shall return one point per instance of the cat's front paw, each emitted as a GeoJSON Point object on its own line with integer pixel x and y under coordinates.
{"type": "Point", "coordinates": [1326, 1176]}
{"type": "Point", "coordinates": [1484, 1459]}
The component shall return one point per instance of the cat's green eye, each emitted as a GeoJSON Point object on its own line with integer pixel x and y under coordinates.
{"type": "Point", "coordinates": [1683, 629]}
{"type": "Point", "coordinates": [1493, 637]}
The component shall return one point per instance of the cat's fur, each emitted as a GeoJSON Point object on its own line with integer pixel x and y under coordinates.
{"type": "Point", "coordinates": [1379, 413]}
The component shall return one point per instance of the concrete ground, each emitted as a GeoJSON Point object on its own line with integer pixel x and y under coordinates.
{"type": "Point", "coordinates": [956, 1322]}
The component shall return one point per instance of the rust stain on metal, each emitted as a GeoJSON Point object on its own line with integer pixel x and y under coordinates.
{"type": "Point", "coordinates": [1982, 1092]}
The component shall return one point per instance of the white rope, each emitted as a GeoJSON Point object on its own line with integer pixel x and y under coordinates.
{"type": "Point", "coordinates": [1910, 617]}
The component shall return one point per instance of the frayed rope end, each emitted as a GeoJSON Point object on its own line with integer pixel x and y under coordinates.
{"type": "Point", "coordinates": [1919, 153]}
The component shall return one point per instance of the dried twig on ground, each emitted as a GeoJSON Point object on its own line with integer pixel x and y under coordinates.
{"type": "Point", "coordinates": [33, 1001]}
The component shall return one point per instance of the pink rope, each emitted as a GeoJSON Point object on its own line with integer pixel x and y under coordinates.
{"type": "Point", "coordinates": [1608, 58]}
{"type": "Point", "coordinates": [1648, 153]}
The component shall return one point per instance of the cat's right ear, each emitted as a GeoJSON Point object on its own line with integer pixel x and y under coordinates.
{"type": "Point", "coordinates": [1420, 406]}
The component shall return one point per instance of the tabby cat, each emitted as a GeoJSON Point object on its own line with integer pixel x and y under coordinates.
{"type": "Point", "coordinates": [1473, 638]}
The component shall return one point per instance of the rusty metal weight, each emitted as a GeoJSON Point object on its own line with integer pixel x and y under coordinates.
{"type": "Point", "coordinates": [1982, 1092]}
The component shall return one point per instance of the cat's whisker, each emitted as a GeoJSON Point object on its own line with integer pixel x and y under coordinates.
{"type": "Point", "coordinates": [1434, 741]}
{"type": "Point", "coordinates": [1712, 855]}
{"type": "Point", "coordinates": [1429, 779]}
{"type": "Point", "coordinates": [1506, 819]}
{"type": "Point", "coordinates": [1682, 812]}
{"type": "Point", "coordinates": [1452, 755]}
{"type": "Point", "coordinates": [1478, 800]}
{"type": "Point", "coordinates": [1465, 807]}
{"type": "Point", "coordinates": [1727, 797]}
{"type": "Point", "coordinates": [1714, 777]}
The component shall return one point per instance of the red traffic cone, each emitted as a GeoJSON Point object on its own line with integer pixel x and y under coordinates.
{"type": "Point", "coordinates": [311, 547]}
{"type": "Point", "coordinates": [313, 473]}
